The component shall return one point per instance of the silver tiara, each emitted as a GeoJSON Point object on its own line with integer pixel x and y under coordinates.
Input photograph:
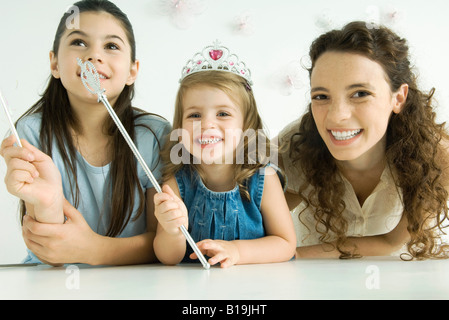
{"type": "Point", "coordinates": [216, 57]}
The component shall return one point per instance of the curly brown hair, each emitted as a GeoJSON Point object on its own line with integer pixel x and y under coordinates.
{"type": "Point", "coordinates": [415, 148]}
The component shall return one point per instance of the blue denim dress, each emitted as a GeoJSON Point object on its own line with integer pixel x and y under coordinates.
{"type": "Point", "coordinates": [221, 215]}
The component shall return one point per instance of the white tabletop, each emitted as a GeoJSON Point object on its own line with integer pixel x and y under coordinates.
{"type": "Point", "coordinates": [366, 278]}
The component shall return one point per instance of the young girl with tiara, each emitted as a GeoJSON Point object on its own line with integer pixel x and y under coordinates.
{"type": "Point", "coordinates": [88, 162]}
{"type": "Point", "coordinates": [367, 165]}
{"type": "Point", "coordinates": [217, 181]}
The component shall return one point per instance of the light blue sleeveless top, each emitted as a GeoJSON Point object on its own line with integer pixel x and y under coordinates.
{"type": "Point", "coordinates": [221, 215]}
{"type": "Point", "coordinates": [94, 182]}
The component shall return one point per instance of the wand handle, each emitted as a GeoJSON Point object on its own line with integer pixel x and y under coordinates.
{"type": "Point", "coordinates": [102, 98]}
{"type": "Point", "coordinates": [11, 124]}
{"type": "Point", "coordinates": [91, 80]}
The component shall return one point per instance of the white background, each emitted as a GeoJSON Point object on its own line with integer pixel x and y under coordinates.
{"type": "Point", "coordinates": [282, 32]}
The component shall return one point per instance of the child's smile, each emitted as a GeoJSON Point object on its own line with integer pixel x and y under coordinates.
{"type": "Point", "coordinates": [212, 124]}
{"type": "Point", "coordinates": [208, 141]}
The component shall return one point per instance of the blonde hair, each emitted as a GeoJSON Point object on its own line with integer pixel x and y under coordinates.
{"type": "Point", "coordinates": [241, 93]}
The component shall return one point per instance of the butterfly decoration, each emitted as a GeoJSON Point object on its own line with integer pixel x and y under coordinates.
{"type": "Point", "coordinates": [289, 78]}
{"type": "Point", "coordinates": [243, 24]}
{"type": "Point", "coordinates": [182, 13]}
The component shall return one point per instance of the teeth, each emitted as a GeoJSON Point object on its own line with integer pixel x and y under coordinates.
{"type": "Point", "coordinates": [345, 135]}
{"type": "Point", "coordinates": [102, 76]}
{"type": "Point", "coordinates": [209, 141]}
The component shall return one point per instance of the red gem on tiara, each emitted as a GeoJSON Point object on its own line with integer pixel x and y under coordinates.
{"type": "Point", "coordinates": [216, 54]}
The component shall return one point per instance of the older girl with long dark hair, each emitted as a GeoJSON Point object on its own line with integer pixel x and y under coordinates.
{"type": "Point", "coordinates": [98, 171]}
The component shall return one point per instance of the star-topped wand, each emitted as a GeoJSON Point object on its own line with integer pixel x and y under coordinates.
{"type": "Point", "coordinates": [11, 124]}
{"type": "Point", "coordinates": [91, 80]}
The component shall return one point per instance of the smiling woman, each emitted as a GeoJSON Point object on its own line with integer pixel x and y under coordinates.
{"type": "Point", "coordinates": [351, 105]}
{"type": "Point", "coordinates": [366, 164]}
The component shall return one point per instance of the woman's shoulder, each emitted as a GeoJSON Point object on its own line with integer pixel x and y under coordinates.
{"type": "Point", "coordinates": [293, 174]}
{"type": "Point", "coordinates": [289, 130]}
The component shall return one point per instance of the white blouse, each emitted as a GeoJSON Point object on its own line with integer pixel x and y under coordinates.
{"type": "Point", "coordinates": [380, 213]}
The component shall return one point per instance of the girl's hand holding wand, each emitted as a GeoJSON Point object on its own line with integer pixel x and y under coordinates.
{"type": "Point", "coordinates": [32, 176]}
{"type": "Point", "coordinates": [170, 211]}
